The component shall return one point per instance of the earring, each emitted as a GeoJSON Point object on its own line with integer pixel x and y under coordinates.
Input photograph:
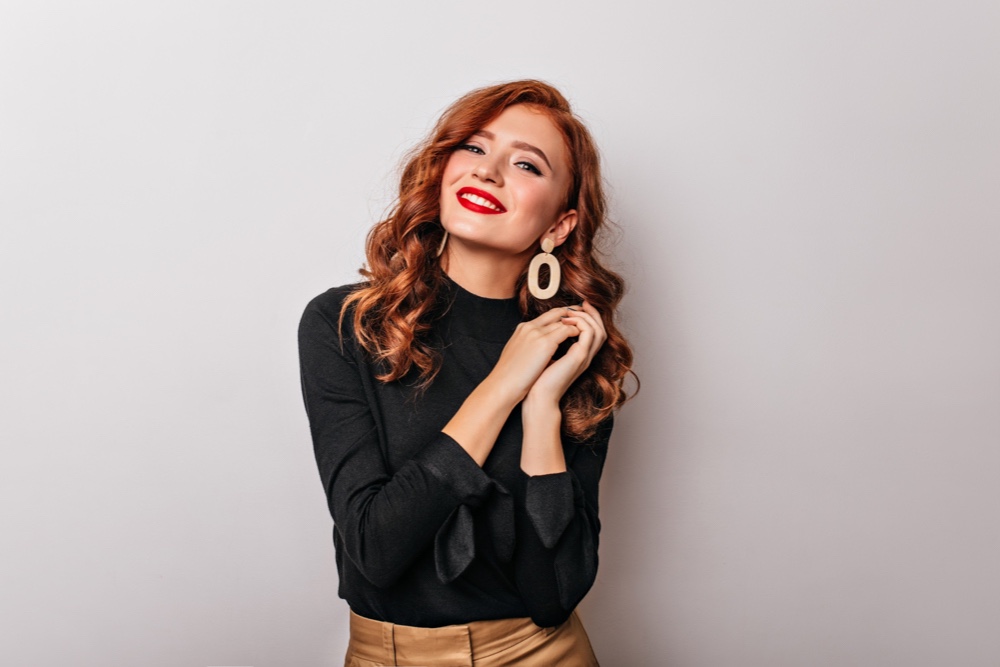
{"type": "Point", "coordinates": [544, 257]}
{"type": "Point", "coordinates": [444, 239]}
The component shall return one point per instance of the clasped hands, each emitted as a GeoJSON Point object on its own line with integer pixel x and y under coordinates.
{"type": "Point", "coordinates": [526, 365]}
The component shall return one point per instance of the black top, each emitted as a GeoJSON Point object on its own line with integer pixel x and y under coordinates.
{"type": "Point", "coordinates": [423, 535]}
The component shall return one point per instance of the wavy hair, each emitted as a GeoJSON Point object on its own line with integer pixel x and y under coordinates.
{"type": "Point", "coordinates": [395, 308]}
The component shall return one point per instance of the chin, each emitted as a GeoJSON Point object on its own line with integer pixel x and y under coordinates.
{"type": "Point", "coordinates": [465, 227]}
{"type": "Point", "coordinates": [475, 238]}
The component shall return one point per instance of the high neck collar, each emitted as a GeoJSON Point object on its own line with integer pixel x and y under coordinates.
{"type": "Point", "coordinates": [480, 317]}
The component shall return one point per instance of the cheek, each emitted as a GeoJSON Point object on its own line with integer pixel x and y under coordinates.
{"type": "Point", "coordinates": [449, 175]}
{"type": "Point", "coordinates": [543, 202]}
{"type": "Point", "coordinates": [453, 168]}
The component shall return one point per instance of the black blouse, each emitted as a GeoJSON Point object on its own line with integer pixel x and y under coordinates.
{"type": "Point", "coordinates": [424, 536]}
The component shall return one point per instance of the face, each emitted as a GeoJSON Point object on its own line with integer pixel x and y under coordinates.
{"type": "Point", "coordinates": [505, 187]}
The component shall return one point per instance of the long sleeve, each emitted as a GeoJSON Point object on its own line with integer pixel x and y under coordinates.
{"type": "Point", "coordinates": [555, 559]}
{"type": "Point", "coordinates": [384, 520]}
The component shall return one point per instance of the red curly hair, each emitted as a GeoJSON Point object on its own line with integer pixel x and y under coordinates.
{"type": "Point", "coordinates": [394, 310]}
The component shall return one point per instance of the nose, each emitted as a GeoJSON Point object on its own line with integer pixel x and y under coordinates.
{"type": "Point", "coordinates": [488, 170]}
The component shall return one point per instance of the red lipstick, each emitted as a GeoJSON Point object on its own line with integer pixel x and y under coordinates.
{"type": "Point", "coordinates": [479, 208]}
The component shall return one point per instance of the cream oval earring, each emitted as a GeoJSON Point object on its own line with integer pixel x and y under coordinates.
{"type": "Point", "coordinates": [544, 257]}
{"type": "Point", "coordinates": [444, 239]}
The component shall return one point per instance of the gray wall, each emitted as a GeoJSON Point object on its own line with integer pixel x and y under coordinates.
{"type": "Point", "coordinates": [808, 194]}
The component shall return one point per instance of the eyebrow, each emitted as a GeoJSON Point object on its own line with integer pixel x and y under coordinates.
{"type": "Point", "coordinates": [517, 144]}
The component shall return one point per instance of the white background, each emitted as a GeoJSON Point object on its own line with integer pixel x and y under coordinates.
{"type": "Point", "coordinates": [808, 201]}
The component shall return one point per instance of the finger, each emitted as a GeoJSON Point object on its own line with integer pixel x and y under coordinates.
{"type": "Point", "coordinates": [601, 333]}
{"type": "Point", "coordinates": [562, 326]}
{"type": "Point", "coordinates": [587, 338]}
{"type": "Point", "coordinates": [586, 320]}
{"type": "Point", "coordinates": [580, 354]}
{"type": "Point", "coordinates": [572, 311]}
{"type": "Point", "coordinates": [552, 315]}
{"type": "Point", "coordinates": [581, 320]}
{"type": "Point", "coordinates": [593, 312]}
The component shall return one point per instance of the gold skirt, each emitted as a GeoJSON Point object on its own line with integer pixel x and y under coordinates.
{"type": "Point", "coordinates": [507, 641]}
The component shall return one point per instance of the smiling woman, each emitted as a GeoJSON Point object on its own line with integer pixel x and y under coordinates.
{"type": "Point", "coordinates": [460, 414]}
{"type": "Point", "coordinates": [500, 191]}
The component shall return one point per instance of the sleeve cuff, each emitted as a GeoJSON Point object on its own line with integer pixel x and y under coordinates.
{"type": "Point", "coordinates": [550, 503]}
{"type": "Point", "coordinates": [451, 464]}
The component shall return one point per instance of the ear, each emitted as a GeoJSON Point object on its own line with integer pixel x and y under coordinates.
{"type": "Point", "coordinates": [560, 231]}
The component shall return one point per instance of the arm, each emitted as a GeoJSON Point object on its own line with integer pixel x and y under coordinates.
{"type": "Point", "coordinates": [558, 526]}
{"type": "Point", "coordinates": [385, 520]}
{"type": "Point", "coordinates": [555, 560]}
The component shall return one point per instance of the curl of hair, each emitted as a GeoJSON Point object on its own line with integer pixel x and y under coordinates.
{"type": "Point", "coordinates": [394, 309]}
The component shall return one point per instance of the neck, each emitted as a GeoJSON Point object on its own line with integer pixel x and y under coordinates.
{"type": "Point", "coordinates": [487, 274]}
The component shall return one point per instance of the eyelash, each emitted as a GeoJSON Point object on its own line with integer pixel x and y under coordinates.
{"type": "Point", "coordinates": [533, 168]}
{"type": "Point", "coordinates": [471, 148]}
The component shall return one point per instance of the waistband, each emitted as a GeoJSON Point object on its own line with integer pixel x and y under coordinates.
{"type": "Point", "coordinates": [448, 646]}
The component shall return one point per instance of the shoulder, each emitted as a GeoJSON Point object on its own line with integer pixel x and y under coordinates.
{"type": "Point", "coordinates": [330, 301]}
{"type": "Point", "coordinates": [325, 307]}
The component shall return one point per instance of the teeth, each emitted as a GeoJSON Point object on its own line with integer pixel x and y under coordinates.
{"type": "Point", "coordinates": [476, 199]}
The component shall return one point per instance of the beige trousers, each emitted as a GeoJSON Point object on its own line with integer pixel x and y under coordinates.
{"type": "Point", "coordinates": [508, 641]}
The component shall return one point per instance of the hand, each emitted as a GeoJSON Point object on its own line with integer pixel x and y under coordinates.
{"type": "Point", "coordinates": [560, 374]}
{"type": "Point", "coordinates": [530, 349]}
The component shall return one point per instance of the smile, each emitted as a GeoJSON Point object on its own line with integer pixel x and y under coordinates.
{"type": "Point", "coordinates": [479, 201]}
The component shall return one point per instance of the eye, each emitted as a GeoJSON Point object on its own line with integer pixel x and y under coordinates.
{"type": "Point", "coordinates": [470, 147]}
{"type": "Point", "coordinates": [530, 167]}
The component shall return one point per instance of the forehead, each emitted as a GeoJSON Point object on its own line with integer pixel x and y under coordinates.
{"type": "Point", "coordinates": [521, 122]}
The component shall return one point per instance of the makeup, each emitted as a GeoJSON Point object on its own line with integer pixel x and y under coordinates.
{"type": "Point", "coordinates": [479, 201]}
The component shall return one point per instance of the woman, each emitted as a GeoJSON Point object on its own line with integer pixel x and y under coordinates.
{"type": "Point", "coordinates": [461, 401]}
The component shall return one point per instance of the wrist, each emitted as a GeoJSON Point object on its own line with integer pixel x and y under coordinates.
{"type": "Point", "coordinates": [499, 392]}
{"type": "Point", "coordinates": [541, 449]}
{"type": "Point", "coordinates": [541, 408]}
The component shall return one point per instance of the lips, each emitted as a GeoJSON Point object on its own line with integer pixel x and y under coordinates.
{"type": "Point", "coordinates": [479, 201]}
